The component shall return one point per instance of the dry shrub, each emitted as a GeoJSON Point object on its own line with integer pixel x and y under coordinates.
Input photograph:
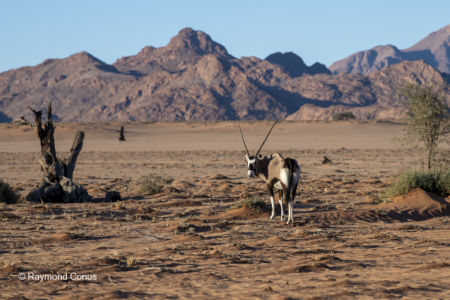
{"type": "Point", "coordinates": [151, 184]}
{"type": "Point", "coordinates": [7, 194]}
{"type": "Point", "coordinates": [252, 203]}
{"type": "Point", "coordinates": [131, 261]}
{"type": "Point", "coordinates": [344, 116]}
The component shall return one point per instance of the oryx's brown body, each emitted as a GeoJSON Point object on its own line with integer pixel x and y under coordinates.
{"type": "Point", "coordinates": [279, 173]}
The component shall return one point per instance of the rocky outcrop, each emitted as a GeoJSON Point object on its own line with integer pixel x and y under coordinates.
{"type": "Point", "coordinates": [293, 64]}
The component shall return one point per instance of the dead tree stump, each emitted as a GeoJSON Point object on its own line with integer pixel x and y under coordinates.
{"type": "Point", "coordinates": [57, 182]}
{"type": "Point", "coordinates": [326, 160]}
{"type": "Point", "coordinates": [122, 134]}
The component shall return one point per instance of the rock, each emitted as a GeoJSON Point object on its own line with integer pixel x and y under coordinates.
{"type": "Point", "coordinates": [326, 160]}
{"type": "Point", "coordinates": [46, 192]}
{"type": "Point", "coordinates": [112, 196]}
{"type": "Point", "coordinates": [73, 193]}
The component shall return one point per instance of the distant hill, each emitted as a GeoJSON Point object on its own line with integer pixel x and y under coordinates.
{"type": "Point", "coordinates": [294, 65]}
{"type": "Point", "coordinates": [434, 49]}
{"type": "Point", "coordinates": [195, 78]}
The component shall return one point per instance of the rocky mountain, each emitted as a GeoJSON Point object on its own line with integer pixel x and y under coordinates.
{"type": "Point", "coordinates": [195, 78]}
{"type": "Point", "coordinates": [183, 50]}
{"type": "Point", "coordinates": [375, 96]}
{"type": "Point", "coordinates": [294, 65]}
{"type": "Point", "coordinates": [434, 49]}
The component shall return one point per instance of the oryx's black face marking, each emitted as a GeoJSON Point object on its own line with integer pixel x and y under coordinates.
{"type": "Point", "coordinates": [251, 162]}
{"type": "Point", "coordinates": [252, 159]}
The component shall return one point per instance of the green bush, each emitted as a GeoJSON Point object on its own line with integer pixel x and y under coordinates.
{"type": "Point", "coordinates": [344, 116]}
{"type": "Point", "coordinates": [428, 121]}
{"type": "Point", "coordinates": [253, 203]}
{"type": "Point", "coordinates": [7, 194]}
{"type": "Point", "coordinates": [431, 181]}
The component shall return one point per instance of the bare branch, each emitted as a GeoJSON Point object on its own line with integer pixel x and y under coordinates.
{"type": "Point", "coordinates": [37, 117]}
{"type": "Point", "coordinates": [49, 113]}
{"type": "Point", "coordinates": [71, 160]}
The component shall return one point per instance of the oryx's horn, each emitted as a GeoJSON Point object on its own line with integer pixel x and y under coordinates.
{"type": "Point", "coordinates": [266, 138]}
{"type": "Point", "coordinates": [246, 149]}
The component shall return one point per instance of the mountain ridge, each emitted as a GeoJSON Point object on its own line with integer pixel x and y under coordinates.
{"type": "Point", "coordinates": [195, 78]}
{"type": "Point", "coordinates": [434, 49]}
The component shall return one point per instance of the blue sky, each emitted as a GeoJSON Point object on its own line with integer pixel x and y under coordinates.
{"type": "Point", "coordinates": [325, 31]}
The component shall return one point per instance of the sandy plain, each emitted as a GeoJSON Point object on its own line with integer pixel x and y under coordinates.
{"type": "Point", "coordinates": [187, 242]}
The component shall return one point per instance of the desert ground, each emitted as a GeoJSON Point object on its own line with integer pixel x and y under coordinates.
{"type": "Point", "coordinates": [189, 242]}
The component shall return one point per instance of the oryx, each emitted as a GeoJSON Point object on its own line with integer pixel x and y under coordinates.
{"type": "Point", "coordinates": [278, 172]}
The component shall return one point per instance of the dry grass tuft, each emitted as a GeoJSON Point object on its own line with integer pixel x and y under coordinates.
{"type": "Point", "coordinates": [131, 261]}
{"type": "Point", "coordinates": [7, 194]}
{"type": "Point", "coordinates": [252, 203]}
{"type": "Point", "coordinates": [150, 185]}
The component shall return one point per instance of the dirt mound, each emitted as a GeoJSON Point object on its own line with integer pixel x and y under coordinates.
{"type": "Point", "coordinates": [432, 266]}
{"type": "Point", "coordinates": [275, 240]}
{"type": "Point", "coordinates": [179, 203]}
{"type": "Point", "coordinates": [10, 269]}
{"type": "Point", "coordinates": [316, 267]}
{"type": "Point", "coordinates": [58, 237]}
{"type": "Point", "coordinates": [417, 204]}
{"type": "Point", "coordinates": [242, 213]}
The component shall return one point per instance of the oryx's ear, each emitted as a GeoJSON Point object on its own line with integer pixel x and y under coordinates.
{"type": "Point", "coordinates": [260, 156]}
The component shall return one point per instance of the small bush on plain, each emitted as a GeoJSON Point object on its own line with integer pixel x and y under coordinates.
{"type": "Point", "coordinates": [151, 184]}
{"type": "Point", "coordinates": [7, 194]}
{"type": "Point", "coordinates": [433, 181]}
{"type": "Point", "coordinates": [343, 116]}
{"type": "Point", "coordinates": [253, 203]}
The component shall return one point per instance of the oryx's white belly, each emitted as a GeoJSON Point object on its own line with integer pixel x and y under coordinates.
{"type": "Point", "coordinates": [284, 179]}
{"type": "Point", "coordinates": [284, 176]}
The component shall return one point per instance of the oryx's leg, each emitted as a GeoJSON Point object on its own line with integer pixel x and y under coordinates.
{"type": "Point", "coordinates": [291, 212]}
{"type": "Point", "coordinates": [293, 192]}
{"type": "Point", "coordinates": [289, 202]}
{"type": "Point", "coordinates": [272, 200]}
{"type": "Point", "coordinates": [280, 201]}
